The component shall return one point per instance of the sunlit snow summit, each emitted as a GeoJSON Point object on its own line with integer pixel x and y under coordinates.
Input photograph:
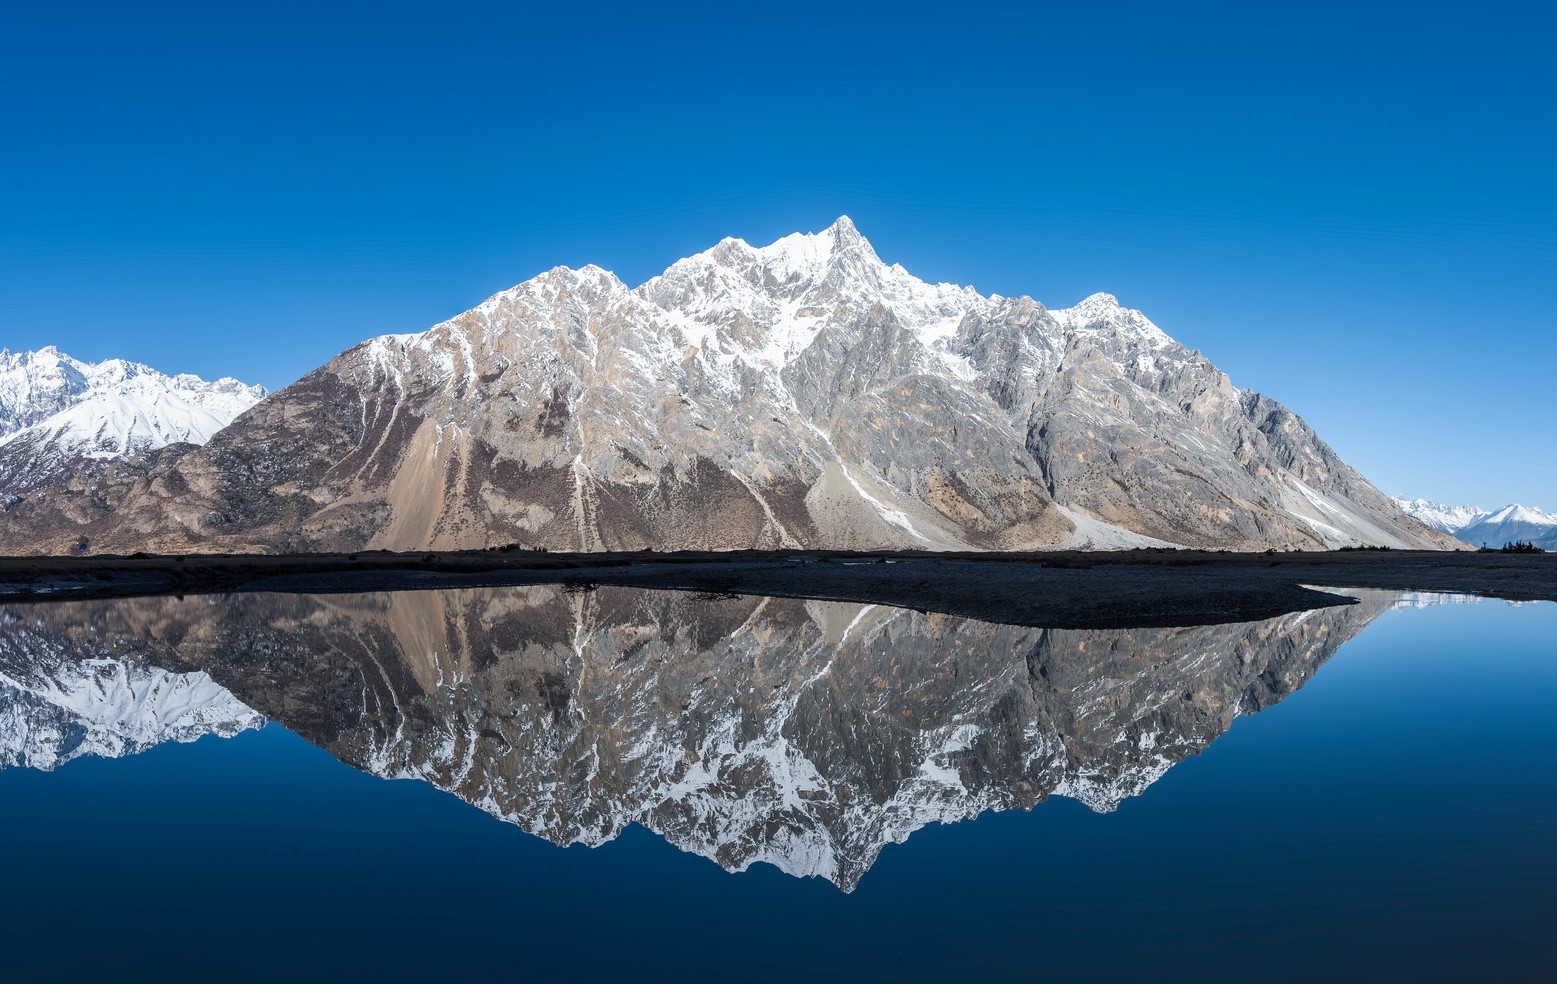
{"type": "Point", "coordinates": [61, 417]}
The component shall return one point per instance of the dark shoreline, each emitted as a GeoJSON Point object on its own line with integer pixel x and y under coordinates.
{"type": "Point", "coordinates": [1095, 589]}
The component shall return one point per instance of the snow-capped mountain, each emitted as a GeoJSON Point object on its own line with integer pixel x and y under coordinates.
{"type": "Point", "coordinates": [1513, 523]}
{"type": "Point", "coordinates": [59, 415]}
{"type": "Point", "coordinates": [800, 394]}
{"type": "Point", "coordinates": [1481, 527]}
{"type": "Point", "coordinates": [1440, 516]}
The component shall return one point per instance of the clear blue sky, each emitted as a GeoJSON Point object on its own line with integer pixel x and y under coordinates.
{"type": "Point", "coordinates": [1350, 211]}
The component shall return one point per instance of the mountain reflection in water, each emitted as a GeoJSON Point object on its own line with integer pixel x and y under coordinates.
{"type": "Point", "coordinates": [804, 734]}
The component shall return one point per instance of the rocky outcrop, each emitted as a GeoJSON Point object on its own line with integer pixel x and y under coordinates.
{"type": "Point", "coordinates": [801, 394]}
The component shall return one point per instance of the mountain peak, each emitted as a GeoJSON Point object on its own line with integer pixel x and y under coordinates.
{"type": "Point", "coordinates": [844, 238]}
{"type": "Point", "coordinates": [806, 256]}
{"type": "Point", "coordinates": [812, 253]}
{"type": "Point", "coordinates": [1103, 311]}
{"type": "Point", "coordinates": [1098, 304]}
{"type": "Point", "coordinates": [843, 228]}
{"type": "Point", "coordinates": [56, 411]}
{"type": "Point", "coordinates": [1520, 513]}
{"type": "Point", "coordinates": [1444, 517]}
{"type": "Point", "coordinates": [589, 278]}
{"type": "Point", "coordinates": [48, 355]}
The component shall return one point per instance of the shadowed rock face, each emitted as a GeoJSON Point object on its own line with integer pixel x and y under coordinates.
{"type": "Point", "coordinates": [805, 734]}
{"type": "Point", "coordinates": [804, 394]}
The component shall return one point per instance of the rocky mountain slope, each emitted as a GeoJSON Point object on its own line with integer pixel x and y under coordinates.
{"type": "Point", "coordinates": [806, 735]}
{"type": "Point", "coordinates": [1480, 527]}
{"type": "Point", "coordinates": [800, 394]}
{"type": "Point", "coordinates": [62, 419]}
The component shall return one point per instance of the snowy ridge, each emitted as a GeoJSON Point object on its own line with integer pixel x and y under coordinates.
{"type": "Point", "coordinates": [59, 414]}
{"type": "Point", "coordinates": [108, 708]}
{"type": "Point", "coordinates": [111, 408]}
{"type": "Point", "coordinates": [735, 284]}
{"type": "Point", "coordinates": [759, 329]}
{"type": "Point", "coordinates": [1440, 516]}
{"type": "Point", "coordinates": [1103, 311]}
{"type": "Point", "coordinates": [1515, 513]}
{"type": "Point", "coordinates": [1480, 527]}
{"type": "Point", "coordinates": [1510, 524]}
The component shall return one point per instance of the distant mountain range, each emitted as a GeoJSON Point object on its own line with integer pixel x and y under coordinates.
{"type": "Point", "coordinates": [1479, 527]}
{"type": "Point", "coordinates": [802, 394]}
{"type": "Point", "coordinates": [62, 419]}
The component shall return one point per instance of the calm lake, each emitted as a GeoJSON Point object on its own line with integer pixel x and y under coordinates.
{"type": "Point", "coordinates": [620, 784]}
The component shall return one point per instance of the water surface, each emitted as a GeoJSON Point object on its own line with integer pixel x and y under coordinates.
{"type": "Point", "coordinates": [770, 787]}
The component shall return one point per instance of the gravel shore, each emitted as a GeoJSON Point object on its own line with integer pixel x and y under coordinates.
{"type": "Point", "coordinates": [1096, 589]}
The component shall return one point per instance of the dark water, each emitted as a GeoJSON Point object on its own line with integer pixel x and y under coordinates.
{"type": "Point", "coordinates": [1357, 793]}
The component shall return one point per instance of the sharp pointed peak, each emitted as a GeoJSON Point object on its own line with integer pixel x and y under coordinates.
{"type": "Point", "coordinates": [815, 249]}
{"type": "Point", "coordinates": [1093, 307]}
{"type": "Point", "coordinates": [844, 236]}
{"type": "Point", "coordinates": [844, 226]}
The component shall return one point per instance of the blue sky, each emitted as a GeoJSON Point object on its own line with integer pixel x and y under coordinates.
{"type": "Point", "coordinates": [1350, 211]}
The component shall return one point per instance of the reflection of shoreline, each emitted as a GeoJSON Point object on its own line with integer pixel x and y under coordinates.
{"type": "Point", "coordinates": [1424, 599]}
{"type": "Point", "coordinates": [804, 734]}
{"type": "Point", "coordinates": [1069, 590]}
